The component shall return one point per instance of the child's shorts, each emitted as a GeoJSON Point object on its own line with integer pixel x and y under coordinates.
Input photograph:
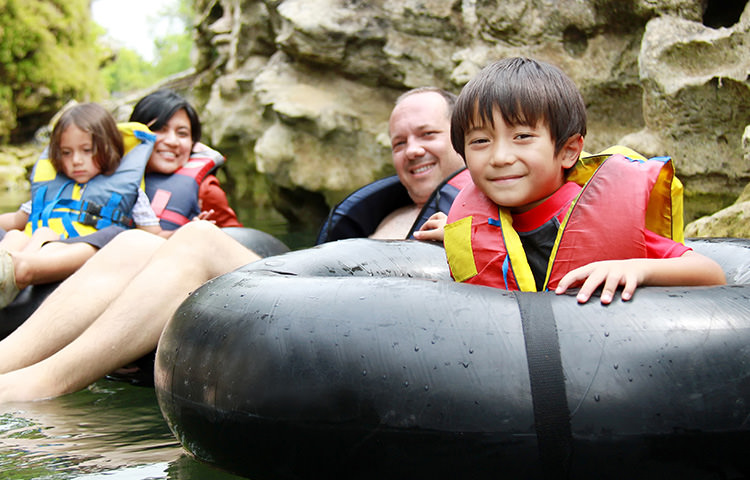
{"type": "Point", "coordinates": [97, 239]}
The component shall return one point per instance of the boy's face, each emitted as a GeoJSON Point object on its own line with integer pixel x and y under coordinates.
{"type": "Point", "coordinates": [516, 166]}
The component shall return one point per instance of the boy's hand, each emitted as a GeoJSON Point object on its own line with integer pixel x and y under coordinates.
{"type": "Point", "coordinates": [433, 228]}
{"type": "Point", "coordinates": [610, 274]}
{"type": "Point", "coordinates": [690, 268]}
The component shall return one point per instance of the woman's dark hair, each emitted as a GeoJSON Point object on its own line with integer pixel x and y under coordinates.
{"type": "Point", "coordinates": [106, 139]}
{"type": "Point", "coordinates": [155, 110]}
{"type": "Point", "coordinates": [525, 92]}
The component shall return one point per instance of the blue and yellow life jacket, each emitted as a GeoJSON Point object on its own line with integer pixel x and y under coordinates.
{"type": "Point", "coordinates": [359, 214]}
{"type": "Point", "coordinates": [74, 209]}
{"type": "Point", "coordinates": [174, 197]}
{"type": "Point", "coordinates": [623, 195]}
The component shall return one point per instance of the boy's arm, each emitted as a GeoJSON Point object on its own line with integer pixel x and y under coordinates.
{"type": "Point", "coordinates": [689, 269]}
{"type": "Point", "coordinates": [433, 228]}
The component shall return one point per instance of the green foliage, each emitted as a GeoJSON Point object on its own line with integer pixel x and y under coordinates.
{"type": "Point", "coordinates": [48, 55]}
{"type": "Point", "coordinates": [128, 71]}
{"type": "Point", "coordinates": [173, 53]}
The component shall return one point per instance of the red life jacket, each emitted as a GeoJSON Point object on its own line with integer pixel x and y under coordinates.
{"type": "Point", "coordinates": [174, 198]}
{"type": "Point", "coordinates": [607, 221]}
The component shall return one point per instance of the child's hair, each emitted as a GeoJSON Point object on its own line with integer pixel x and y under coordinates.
{"type": "Point", "coordinates": [526, 92]}
{"type": "Point", "coordinates": [155, 110]}
{"type": "Point", "coordinates": [106, 139]}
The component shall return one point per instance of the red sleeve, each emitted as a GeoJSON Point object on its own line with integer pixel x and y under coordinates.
{"type": "Point", "coordinates": [213, 197]}
{"type": "Point", "coordinates": [661, 247]}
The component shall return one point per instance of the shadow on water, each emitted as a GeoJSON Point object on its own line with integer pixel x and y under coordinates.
{"type": "Point", "coordinates": [110, 430]}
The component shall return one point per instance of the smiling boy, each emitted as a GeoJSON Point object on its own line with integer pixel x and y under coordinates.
{"type": "Point", "coordinates": [520, 126]}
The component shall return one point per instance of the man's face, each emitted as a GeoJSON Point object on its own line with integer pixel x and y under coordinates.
{"type": "Point", "coordinates": [421, 144]}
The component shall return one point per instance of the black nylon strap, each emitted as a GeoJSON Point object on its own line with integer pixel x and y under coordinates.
{"type": "Point", "coordinates": [551, 412]}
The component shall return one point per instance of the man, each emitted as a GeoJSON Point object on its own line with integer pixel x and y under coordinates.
{"type": "Point", "coordinates": [113, 310]}
{"type": "Point", "coordinates": [426, 182]}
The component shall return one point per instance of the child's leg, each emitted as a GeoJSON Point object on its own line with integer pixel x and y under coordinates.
{"type": "Point", "coordinates": [14, 241]}
{"type": "Point", "coordinates": [51, 263]}
{"type": "Point", "coordinates": [40, 260]}
{"type": "Point", "coordinates": [39, 238]}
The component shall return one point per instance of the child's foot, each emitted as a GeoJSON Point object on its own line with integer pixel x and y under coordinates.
{"type": "Point", "coordinates": [8, 288]}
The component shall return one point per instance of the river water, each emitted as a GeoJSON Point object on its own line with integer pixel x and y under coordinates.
{"type": "Point", "coordinates": [111, 430]}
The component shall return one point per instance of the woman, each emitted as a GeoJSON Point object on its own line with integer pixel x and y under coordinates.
{"type": "Point", "coordinates": [180, 191]}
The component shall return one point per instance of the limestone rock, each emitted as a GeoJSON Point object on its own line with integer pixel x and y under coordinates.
{"type": "Point", "coordinates": [298, 92]}
{"type": "Point", "coordinates": [697, 102]}
{"type": "Point", "coordinates": [733, 221]}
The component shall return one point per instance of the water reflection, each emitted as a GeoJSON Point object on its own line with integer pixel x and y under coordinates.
{"type": "Point", "coordinates": [110, 430]}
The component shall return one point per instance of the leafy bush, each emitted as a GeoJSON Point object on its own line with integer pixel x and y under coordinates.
{"type": "Point", "coordinates": [48, 55]}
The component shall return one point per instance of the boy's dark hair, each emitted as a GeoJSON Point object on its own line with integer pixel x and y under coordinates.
{"type": "Point", "coordinates": [155, 110]}
{"type": "Point", "coordinates": [106, 139]}
{"type": "Point", "coordinates": [526, 92]}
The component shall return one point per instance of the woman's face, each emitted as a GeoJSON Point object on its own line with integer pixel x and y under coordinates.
{"type": "Point", "coordinates": [174, 142]}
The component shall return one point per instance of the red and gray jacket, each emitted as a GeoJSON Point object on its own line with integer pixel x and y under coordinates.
{"type": "Point", "coordinates": [174, 198]}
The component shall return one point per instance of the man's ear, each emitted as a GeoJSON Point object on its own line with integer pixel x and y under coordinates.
{"type": "Point", "coordinates": [571, 151]}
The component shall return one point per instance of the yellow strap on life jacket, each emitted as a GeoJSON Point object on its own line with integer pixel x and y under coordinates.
{"type": "Point", "coordinates": [457, 241]}
{"type": "Point", "coordinates": [664, 215]}
{"type": "Point", "coordinates": [130, 136]}
{"type": "Point", "coordinates": [560, 230]}
{"type": "Point", "coordinates": [131, 139]}
{"type": "Point", "coordinates": [517, 255]}
{"type": "Point", "coordinates": [44, 171]}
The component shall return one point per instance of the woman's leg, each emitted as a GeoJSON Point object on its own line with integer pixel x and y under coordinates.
{"type": "Point", "coordinates": [78, 301]}
{"type": "Point", "coordinates": [131, 324]}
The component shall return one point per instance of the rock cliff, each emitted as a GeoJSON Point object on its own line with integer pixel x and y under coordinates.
{"type": "Point", "coordinates": [299, 91]}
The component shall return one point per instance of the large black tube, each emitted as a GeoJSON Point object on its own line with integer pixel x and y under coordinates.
{"type": "Point", "coordinates": [361, 359]}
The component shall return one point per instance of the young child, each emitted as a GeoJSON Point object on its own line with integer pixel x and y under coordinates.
{"type": "Point", "coordinates": [82, 185]}
{"type": "Point", "coordinates": [519, 125]}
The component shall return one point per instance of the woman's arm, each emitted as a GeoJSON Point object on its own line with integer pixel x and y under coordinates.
{"type": "Point", "coordinates": [212, 197]}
